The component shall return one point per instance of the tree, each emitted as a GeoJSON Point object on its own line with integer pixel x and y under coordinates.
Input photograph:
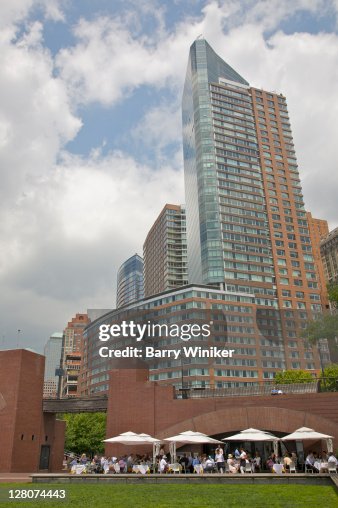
{"type": "Point", "coordinates": [330, 375]}
{"type": "Point", "coordinates": [323, 327]}
{"type": "Point", "coordinates": [85, 432]}
{"type": "Point", "coordinates": [293, 376]}
{"type": "Point", "coordinates": [332, 291]}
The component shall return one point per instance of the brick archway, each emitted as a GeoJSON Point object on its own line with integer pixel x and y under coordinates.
{"type": "Point", "coordinates": [274, 419]}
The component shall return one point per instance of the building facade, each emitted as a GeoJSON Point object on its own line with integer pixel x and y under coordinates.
{"type": "Point", "coordinates": [236, 324]}
{"type": "Point", "coordinates": [247, 229]}
{"type": "Point", "coordinates": [165, 252]}
{"type": "Point", "coordinates": [130, 286]}
{"type": "Point", "coordinates": [319, 230]}
{"type": "Point", "coordinates": [329, 254]}
{"type": "Point", "coordinates": [72, 350]}
{"type": "Point", "coordinates": [52, 352]}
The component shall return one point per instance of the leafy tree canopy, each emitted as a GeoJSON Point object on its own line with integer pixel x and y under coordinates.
{"type": "Point", "coordinates": [330, 375]}
{"type": "Point", "coordinates": [332, 290]}
{"type": "Point", "coordinates": [293, 376]}
{"type": "Point", "coordinates": [324, 327]}
{"type": "Point", "coordinates": [85, 432]}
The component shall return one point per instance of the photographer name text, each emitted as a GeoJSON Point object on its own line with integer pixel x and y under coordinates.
{"type": "Point", "coordinates": [151, 352]}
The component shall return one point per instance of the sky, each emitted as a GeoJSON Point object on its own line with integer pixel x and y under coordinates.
{"type": "Point", "coordinates": [90, 132]}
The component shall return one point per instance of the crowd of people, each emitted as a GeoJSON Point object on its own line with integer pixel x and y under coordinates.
{"type": "Point", "coordinates": [239, 461]}
{"type": "Point", "coordinates": [102, 464]}
{"type": "Point", "coordinates": [318, 463]}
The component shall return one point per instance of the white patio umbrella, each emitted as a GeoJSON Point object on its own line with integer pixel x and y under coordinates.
{"type": "Point", "coordinates": [131, 438]}
{"type": "Point", "coordinates": [304, 433]}
{"type": "Point", "coordinates": [255, 435]}
{"type": "Point", "coordinates": [188, 437]}
{"type": "Point", "coordinates": [252, 435]}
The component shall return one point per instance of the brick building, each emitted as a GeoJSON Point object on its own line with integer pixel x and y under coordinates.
{"type": "Point", "coordinates": [165, 252]}
{"type": "Point", "coordinates": [29, 439]}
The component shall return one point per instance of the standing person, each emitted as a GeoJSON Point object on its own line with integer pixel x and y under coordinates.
{"type": "Point", "coordinates": [163, 464]}
{"type": "Point", "coordinates": [184, 461]}
{"type": "Point", "coordinates": [243, 458]}
{"type": "Point", "coordinates": [257, 462]}
{"type": "Point", "coordinates": [219, 459]}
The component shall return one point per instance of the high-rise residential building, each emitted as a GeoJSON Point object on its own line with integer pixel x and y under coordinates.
{"type": "Point", "coordinates": [52, 352]}
{"type": "Point", "coordinates": [130, 287]}
{"type": "Point", "coordinates": [231, 317]}
{"type": "Point", "coordinates": [319, 230]}
{"type": "Point", "coordinates": [247, 229]}
{"type": "Point", "coordinates": [72, 348]}
{"type": "Point", "coordinates": [329, 254]}
{"type": "Point", "coordinates": [165, 252]}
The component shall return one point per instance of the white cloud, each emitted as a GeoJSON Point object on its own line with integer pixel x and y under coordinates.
{"type": "Point", "coordinates": [160, 127]}
{"type": "Point", "coordinates": [35, 115]}
{"type": "Point", "coordinates": [14, 12]}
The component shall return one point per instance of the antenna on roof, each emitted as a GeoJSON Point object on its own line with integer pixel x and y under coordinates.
{"type": "Point", "coordinates": [200, 36]}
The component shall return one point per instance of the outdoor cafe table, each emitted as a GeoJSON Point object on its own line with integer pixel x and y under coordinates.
{"type": "Point", "coordinates": [142, 468]}
{"type": "Point", "coordinates": [322, 467]}
{"type": "Point", "coordinates": [278, 468]}
{"type": "Point", "coordinates": [78, 469]}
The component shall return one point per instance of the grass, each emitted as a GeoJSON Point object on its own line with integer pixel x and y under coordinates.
{"type": "Point", "coordinates": [166, 496]}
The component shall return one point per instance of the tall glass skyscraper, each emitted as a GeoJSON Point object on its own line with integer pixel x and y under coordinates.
{"type": "Point", "coordinates": [247, 228]}
{"type": "Point", "coordinates": [246, 223]}
{"type": "Point", "coordinates": [53, 353]}
{"type": "Point", "coordinates": [130, 286]}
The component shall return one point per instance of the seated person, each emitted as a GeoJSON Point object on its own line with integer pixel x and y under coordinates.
{"type": "Point", "coordinates": [83, 459]}
{"type": "Point", "coordinates": [208, 464]}
{"type": "Point", "coordinates": [287, 461]}
{"type": "Point", "coordinates": [324, 456]}
{"type": "Point", "coordinates": [309, 462]}
{"type": "Point", "coordinates": [270, 463]}
{"type": "Point", "coordinates": [332, 460]}
{"type": "Point", "coordinates": [196, 461]}
{"type": "Point", "coordinates": [123, 465]}
{"type": "Point", "coordinates": [294, 458]}
{"type": "Point", "coordinates": [233, 465]}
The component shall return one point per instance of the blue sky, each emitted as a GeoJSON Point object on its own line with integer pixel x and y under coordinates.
{"type": "Point", "coordinates": [90, 132]}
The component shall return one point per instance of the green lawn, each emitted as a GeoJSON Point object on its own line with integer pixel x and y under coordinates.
{"type": "Point", "coordinates": [237, 496]}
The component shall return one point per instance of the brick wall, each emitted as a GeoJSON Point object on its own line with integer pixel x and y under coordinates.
{"type": "Point", "coordinates": [23, 426]}
{"type": "Point", "coordinates": [136, 404]}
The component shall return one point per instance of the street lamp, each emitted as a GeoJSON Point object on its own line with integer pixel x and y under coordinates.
{"type": "Point", "coordinates": [18, 339]}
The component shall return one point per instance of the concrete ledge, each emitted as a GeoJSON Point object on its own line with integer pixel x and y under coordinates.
{"type": "Point", "coordinates": [248, 479]}
{"type": "Point", "coordinates": [15, 478]}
